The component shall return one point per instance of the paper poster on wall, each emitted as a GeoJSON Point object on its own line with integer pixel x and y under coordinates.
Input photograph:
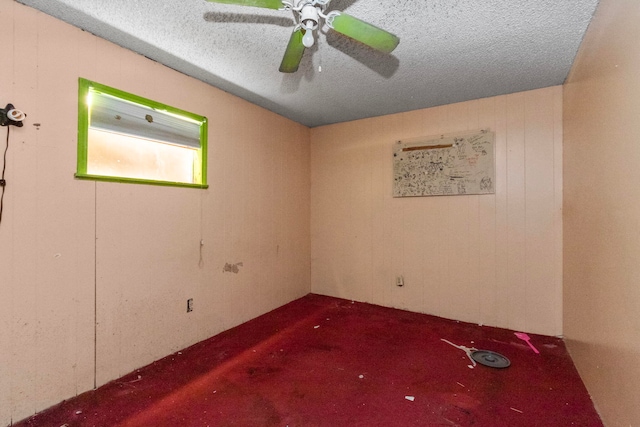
{"type": "Point", "coordinates": [445, 165]}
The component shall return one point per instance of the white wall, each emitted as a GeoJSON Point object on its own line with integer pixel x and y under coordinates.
{"type": "Point", "coordinates": [94, 277]}
{"type": "Point", "coordinates": [491, 259]}
{"type": "Point", "coordinates": [602, 208]}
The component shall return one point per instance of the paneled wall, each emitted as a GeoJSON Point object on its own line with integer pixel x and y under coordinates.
{"type": "Point", "coordinates": [94, 277]}
{"type": "Point", "coordinates": [490, 259]}
{"type": "Point", "coordinates": [602, 207]}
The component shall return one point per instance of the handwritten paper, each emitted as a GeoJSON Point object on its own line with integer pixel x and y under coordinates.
{"type": "Point", "coordinates": [445, 165]}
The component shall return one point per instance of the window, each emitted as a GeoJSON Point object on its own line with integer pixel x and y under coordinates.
{"type": "Point", "coordinates": [127, 138]}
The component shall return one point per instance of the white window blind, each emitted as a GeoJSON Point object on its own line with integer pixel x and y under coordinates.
{"type": "Point", "coordinates": [116, 115]}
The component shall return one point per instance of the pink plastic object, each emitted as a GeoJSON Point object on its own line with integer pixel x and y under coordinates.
{"type": "Point", "coordinates": [525, 337]}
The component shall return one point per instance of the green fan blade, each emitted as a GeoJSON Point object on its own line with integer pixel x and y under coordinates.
{"type": "Point", "coordinates": [365, 33]}
{"type": "Point", "coordinates": [293, 54]}
{"type": "Point", "coordinates": [267, 4]}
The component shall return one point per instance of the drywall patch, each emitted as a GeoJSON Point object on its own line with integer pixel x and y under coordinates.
{"type": "Point", "coordinates": [232, 268]}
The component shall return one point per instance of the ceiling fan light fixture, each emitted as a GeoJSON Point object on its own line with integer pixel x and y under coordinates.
{"type": "Point", "coordinates": [309, 20]}
{"type": "Point", "coordinates": [308, 40]}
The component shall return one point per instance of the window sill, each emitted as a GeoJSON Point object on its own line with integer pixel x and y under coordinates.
{"type": "Point", "coordinates": [138, 181]}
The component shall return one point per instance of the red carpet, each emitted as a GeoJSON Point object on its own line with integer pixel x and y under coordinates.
{"type": "Point", "coordinates": [321, 361]}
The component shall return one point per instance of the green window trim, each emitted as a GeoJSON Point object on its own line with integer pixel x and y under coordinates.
{"type": "Point", "coordinates": [200, 163]}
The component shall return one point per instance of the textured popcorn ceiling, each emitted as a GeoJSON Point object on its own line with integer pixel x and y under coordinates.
{"type": "Point", "coordinates": [450, 50]}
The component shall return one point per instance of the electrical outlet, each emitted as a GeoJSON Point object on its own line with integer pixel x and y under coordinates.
{"type": "Point", "coordinates": [399, 281]}
{"type": "Point", "coordinates": [189, 305]}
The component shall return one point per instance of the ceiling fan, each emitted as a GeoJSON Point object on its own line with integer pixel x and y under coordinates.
{"type": "Point", "coordinates": [307, 15]}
